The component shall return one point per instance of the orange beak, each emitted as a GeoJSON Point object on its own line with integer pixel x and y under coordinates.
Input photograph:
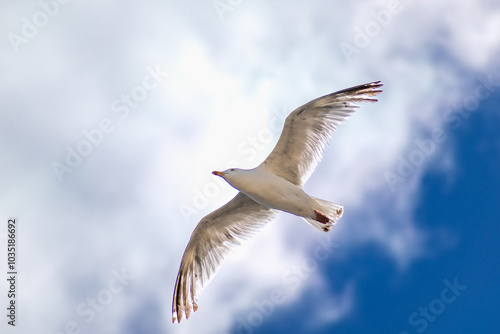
{"type": "Point", "coordinates": [221, 174]}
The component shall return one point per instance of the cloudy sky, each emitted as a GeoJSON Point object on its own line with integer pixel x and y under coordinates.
{"type": "Point", "coordinates": [114, 114]}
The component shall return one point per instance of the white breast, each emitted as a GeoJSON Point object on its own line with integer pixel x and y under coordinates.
{"type": "Point", "coordinates": [275, 192]}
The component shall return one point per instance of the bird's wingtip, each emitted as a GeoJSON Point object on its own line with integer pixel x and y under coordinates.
{"type": "Point", "coordinates": [372, 86]}
{"type": "Point", "coordinates": [176, 316]}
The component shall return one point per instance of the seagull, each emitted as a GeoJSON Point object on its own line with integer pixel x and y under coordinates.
{"type": "Point", "coordinates": [275, 185]}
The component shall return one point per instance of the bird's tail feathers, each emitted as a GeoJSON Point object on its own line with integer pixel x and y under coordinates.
{"type": "Point", "coordinates": [327, 215]}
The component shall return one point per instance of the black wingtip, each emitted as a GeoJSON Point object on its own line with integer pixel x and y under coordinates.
{"type": "Point", "coordinates": [369, 89]}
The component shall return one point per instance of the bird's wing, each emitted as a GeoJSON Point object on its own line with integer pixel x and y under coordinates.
{"type": "Point", "coordinates": [308, 128]}
{"type": "Point", "coordinates": [213, 238]}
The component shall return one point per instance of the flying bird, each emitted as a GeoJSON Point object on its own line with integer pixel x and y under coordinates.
{"type": "Point", "coordinates": [275, 185]}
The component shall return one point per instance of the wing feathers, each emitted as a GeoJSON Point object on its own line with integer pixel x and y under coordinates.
{"type": "Point", "coordinates": [308, 129]}
{"type": "Point", "coordinates": [213, 238]}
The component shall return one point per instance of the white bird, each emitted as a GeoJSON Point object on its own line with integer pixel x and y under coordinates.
{"type": "Point", "coordinates": [276, 184]}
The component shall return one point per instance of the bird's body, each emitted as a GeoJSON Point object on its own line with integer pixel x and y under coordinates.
{"type": "Point", "coordinates": [275, 185]}
{"type": "Point", "coordinates": [268, 189]}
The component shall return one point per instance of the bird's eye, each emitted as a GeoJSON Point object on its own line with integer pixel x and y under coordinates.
{"type": "Point", "coordinates": [232, 169]}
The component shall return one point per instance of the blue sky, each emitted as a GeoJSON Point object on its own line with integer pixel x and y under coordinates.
{"type": "Point", "coordinates": [113, 116]}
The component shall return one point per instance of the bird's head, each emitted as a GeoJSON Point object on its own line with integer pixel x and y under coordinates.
{"type": "Point", "coordinates": [231, 175]}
